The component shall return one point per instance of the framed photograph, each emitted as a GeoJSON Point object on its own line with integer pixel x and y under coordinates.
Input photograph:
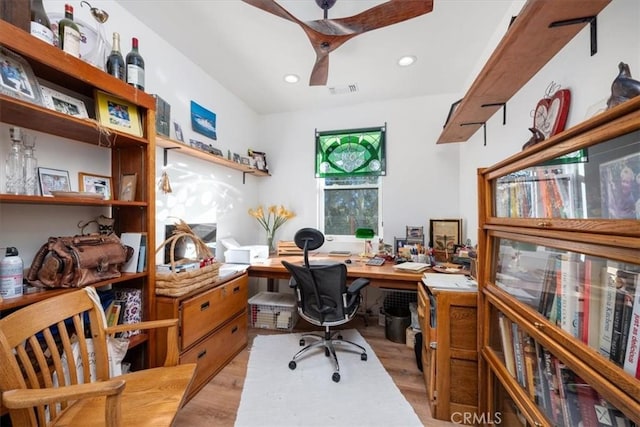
{"type": "Point", "coordinates": [63, 103]}
{"type": "Point", "coordinates": [118, 114]}
{"type": "Point", "coordinates": [444, 234]}
{"type": "Point", "coordinates": [620, 187]}
{"type": "Point", "coordinates": [260, 159]}
{"type": "Point", "coordinates": [415, 234]}
{"type": "Point", "coordinates": [236, 157]}
{"type": "Point", "coordinates": [52, 180]}
{"type": "Point", "coordinates": [203, 121]}
{"type": "Point", "coordinates": [398, 243]}
{"type": "Point", "coordinates": [128, 182]}
{"type": "Point", "coordinates": [90, 183]}
{"type": "Point", "coordinates": [178, 130]}
{"type": "Point", "coordinates": [17, 78]}
{"type": "Point", "coordinates": [245, 161]}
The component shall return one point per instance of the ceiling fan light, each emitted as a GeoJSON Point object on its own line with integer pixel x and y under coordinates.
{"type": "Point", "coordinates": [291, 78]}
{"type": "Point", "coordinates": [405, 61]}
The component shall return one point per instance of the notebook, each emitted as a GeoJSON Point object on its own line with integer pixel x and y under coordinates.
{"type": "Point", "coordinates": [415, 267]}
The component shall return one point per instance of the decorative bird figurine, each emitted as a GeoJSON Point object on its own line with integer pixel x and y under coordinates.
{"type": "Point", "coordinates": [623, 87]}
{"type": "Point", "coordinates": [535, 138]}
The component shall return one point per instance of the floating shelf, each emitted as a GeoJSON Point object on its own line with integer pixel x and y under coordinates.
{"type": "Point", "coordinates": [528, 45]}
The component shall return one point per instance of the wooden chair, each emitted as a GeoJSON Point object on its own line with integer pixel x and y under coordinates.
{"type": "Point", "coordinates": [36, 340]}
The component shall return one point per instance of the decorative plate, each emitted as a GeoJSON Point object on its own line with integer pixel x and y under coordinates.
{"type": "Point", "coordinates": [551, 113]}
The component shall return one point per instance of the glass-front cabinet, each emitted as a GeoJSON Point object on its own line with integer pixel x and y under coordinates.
{"type": "Point", "coordinates": [559, 277]}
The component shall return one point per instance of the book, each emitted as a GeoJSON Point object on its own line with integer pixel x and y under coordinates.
{"type": "Point", "coordinates": [542, 390]}
{"type": "Point", "coordinates": [142, 255]}
{"type": "Point", "coordinates": [113, 313]}
{"type": "Point", "coordinates": [530, 366]}
{"type": "Point", "coordinates": [569, 395]}
{"type": "Point", "coordinates": [518, 353]}
{"type": "Point", "coordinates": [593, 294]}
{"type": "Point", "coordinates": [569, 295]}
{"type": "Point", "coordinates": [415, 267]}
{"type": "Point", "coordinates": [507, 344]}
{"type": "Point", "coordinates": [632, 350]}
{"type": "Point", "coordinates": [607, 308]}
{"type": "Point", "coordinates": [587, 400]}
{"type": "Point", "coordinates": [133, 240]}
{"type": "Point", "coordinates": [555, 404]}
{"type": "Point", "coordinates": [625, 290]}
{"type": "Point", "coordinates": [549, 286]}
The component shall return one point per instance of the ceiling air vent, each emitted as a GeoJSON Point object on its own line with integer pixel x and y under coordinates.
{"type": "Point", "coordinates": [339, 90]}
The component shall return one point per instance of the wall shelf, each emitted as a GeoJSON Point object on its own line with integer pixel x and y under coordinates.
{"type": "Point", "coordinates": [164, 142]}
{"type": "Point", "coordinates": [527, 46]}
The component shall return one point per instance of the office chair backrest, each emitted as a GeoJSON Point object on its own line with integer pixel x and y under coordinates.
{"type": "Point", "coordinates": [321, 290]}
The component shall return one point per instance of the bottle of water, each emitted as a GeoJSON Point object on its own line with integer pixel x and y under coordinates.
{"type": "Point", "coordinates": [15, 163]}
{"type": "Point", "coordinates": [30, 166]}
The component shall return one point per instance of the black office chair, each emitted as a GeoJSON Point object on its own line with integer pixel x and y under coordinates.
{"type": "Point", "coordinates": [324, 300]}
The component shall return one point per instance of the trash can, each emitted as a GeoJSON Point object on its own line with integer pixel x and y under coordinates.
{"type": "Point", "coordinates": [397, 319]}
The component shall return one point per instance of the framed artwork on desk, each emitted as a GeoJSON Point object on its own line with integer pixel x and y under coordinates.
{"type": "Point", "coordinates": [444, 234]}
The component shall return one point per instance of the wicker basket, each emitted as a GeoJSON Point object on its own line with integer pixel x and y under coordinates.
{"type": "Point", "coordinates": [176, 283]}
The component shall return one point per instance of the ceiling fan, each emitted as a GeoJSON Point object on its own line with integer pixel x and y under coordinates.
{"type": "Point", "coordinates": [326, 35]}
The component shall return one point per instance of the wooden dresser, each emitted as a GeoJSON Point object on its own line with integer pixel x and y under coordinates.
{"type": "Point", "coordinates": [213, 326]}
{"type": "Point", "coordinates": [448, 320]}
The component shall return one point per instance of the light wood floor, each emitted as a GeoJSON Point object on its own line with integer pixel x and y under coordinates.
{"type": "Point", "coordinates": [217, 403]}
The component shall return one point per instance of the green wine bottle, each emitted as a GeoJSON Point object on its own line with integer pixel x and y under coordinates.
{"type": "Point", "coordinates": [69, 33]}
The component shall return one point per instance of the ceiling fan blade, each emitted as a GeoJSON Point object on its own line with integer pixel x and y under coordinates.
{"type": "Point", "coordinates": [320, 71]}
{"type": "Point", "coordinates": [274, 8]}
{"type": "Point", "coordinates": [385, 14]}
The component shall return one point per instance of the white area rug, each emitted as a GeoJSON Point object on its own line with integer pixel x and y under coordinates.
{"type": "Point", "coordinates": [274, 395]}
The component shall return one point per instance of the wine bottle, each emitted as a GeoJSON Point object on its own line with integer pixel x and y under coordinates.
{"type": "Point", "coordinates": [40, 24]}
{"type": "Point", "coordinates": [135, 66]}
{"type": "Point", "coordinates": [115, 61]}
{"type": "Point", "coordinates": [69, 33]}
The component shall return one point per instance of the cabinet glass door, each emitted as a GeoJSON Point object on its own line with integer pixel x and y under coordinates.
{"type": "Point", "coordinates": [600, 181]}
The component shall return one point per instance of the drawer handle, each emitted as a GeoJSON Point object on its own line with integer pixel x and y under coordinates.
{"type": "Point", "coordinates": [202, 354]}
{"type": "Point", "coordinates": [236, 289]}
{"type": "Point", "coordinates": [235, 329]}
{"type": "Point", "coordinates": [433, 345]}
{"type": "Point", "coordinates": [204, 306]}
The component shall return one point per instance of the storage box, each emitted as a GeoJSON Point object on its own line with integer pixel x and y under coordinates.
{"type": "Point", "coordinates": [273, 310]}
{"type": "Point", "coordinates": [246, 254]}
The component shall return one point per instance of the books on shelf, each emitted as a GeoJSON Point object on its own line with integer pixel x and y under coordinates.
{"type": "Point", "coordinates": [632, 351]}
{"type": "Point", "coordinates": [594, 277]}
{"type": "Point", "coordinates": [135, 241]}
{"type": "Point", "coordinates": [607, 309]}
{"type": "Point", "coordinates": [506, 334]}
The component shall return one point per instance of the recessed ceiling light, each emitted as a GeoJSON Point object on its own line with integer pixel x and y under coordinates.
{"type": "Point", "coordinates": [291, 78]}
{"type": "Point", "coordinates": [405, 61]}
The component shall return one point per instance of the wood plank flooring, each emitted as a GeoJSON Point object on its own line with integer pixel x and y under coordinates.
{"type": "Point", "coordinates": [217, 403]}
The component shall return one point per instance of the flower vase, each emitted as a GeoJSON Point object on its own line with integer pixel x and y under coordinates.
{"type": "Point", "coordinates": [270, 244]}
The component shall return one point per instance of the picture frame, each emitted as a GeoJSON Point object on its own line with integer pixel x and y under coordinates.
{"type": "Point", "coordinates": [415, 234]}
{"type": "Point", "coordinates": [620, 187]}
{"type": "Point", "coordinates": [398, 242]}
{"type": "Point", "coordinates": [52, 180]}
{"type": "Point", "coordinates": [203, 121]}
{"type": "Point", "coordinates": [118, 114]}
{"type": "Point", "coordinates": [128, 183]}
{"type": "Point", "coordinates": [178, 130]}
{"type": "Point", "coordinates": [444, 234]}
{"type": "Point", "coordinates": [260, 160]}
{"type": "Point", "coordinates": [63, 103]}
{"type": "Point", "coordinates": [98, 184]}
{"type": "Point", "coordinates": [17, 78]}
{"type": "Point", "coordinates": [236, 157]}
{"type": "Point", "coordinates": [245, 161]}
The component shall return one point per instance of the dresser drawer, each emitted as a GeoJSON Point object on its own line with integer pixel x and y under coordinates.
{"type": "Point", "coordinates": [212, 353]}
{"type": "Point", "coordinates": [205, 312]}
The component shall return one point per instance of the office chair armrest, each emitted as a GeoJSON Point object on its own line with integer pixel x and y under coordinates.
{"type": "Point", "coordinates": [357, 285]}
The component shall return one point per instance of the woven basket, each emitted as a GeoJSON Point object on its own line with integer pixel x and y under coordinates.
{"type": "Point", "coordinates": [175, 283]}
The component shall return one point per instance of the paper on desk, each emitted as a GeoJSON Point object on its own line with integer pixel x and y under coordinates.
{"type": "Point", "coordinates": [449, 281]}
{"type": "Point", "coordinates": [229, 269]}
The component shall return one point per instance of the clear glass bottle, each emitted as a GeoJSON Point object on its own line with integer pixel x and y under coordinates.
{"type": "Point", "coordinates": [69, 33]}
{"type": "Point", "coordinates": [30, 169]}
{"type": "Point", "coordinates": [135, 66]}
{"type": "Point", "coordinates": [40, 24]}
{"type": "Point", "coordinates": [115, 61]}
{"type": "Point", "coordinates": [15, 162]}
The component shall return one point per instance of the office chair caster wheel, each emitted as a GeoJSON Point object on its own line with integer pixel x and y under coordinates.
{"type": "Point", "coordinates": [292, 365]}
{"type": "Point", "coordinates": [363, 356]}
{"type": "Point", "coordinates": [335, 377]}
{"type": "Point", "coordinates": [301, 343]}
{"type": "Point", "coordinates": [339, 336]}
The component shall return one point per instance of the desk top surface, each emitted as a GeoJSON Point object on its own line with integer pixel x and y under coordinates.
{"type": "Point", "coordinates": [357, 267]}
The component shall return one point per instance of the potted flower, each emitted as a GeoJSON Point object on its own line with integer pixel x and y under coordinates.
{"type": "Point", "coordinates": [271, 219]}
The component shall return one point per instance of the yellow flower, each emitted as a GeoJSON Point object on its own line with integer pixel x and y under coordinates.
{"type": "Point", "coordinates": [276, 216]}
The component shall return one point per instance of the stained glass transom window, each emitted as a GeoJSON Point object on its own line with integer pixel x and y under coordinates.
{"type": "Point", "coordinates": [351, 152]}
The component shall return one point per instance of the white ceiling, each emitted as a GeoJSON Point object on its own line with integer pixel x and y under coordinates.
{"type": "Point", "coordinates": [248, 50]}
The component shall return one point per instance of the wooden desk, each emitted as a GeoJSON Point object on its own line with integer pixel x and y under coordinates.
{"type": "Point", "coordinates": [384, 276]}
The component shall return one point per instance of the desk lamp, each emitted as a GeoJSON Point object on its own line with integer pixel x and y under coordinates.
{"type": "Point", "coordinates": [367, 234]}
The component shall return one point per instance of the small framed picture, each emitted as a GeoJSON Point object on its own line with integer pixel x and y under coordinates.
{"type": "Point", "coordinates": [52, 180]}
{"type": "Point", "coordinates": [260, 160]}
{"type": "Point", "coordinates": [128, 183]}
{"type": "Point", "coordinates": [236, 157]}
{"type": "Point", "coordinates": [398, 243]}
{"type": "Point", "coordinates": [98, 184]}
{"type": "Point", "coordinates": [118, 114]}
{"type": "Point", "coordinates": [17, 78]}
{"type": "Point", "coordinates": [62, 103]}
{"type": "Point", "coordinates": [415, 234]}
{"type": "Point", "coordinates": [203, 121]}
{"type": "Point", "coordinates": [444, 234]}
{"type": "Point", "coordinates": [245, 161]}
{"type": "Point", "coordinates": [178, 129]}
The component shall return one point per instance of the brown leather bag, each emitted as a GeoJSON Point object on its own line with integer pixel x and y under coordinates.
{"type": "Point", "coordinates": [73, 262]}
